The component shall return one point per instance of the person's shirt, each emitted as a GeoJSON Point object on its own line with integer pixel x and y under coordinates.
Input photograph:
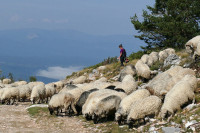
{"type": "Point", "coordinates": [122, 52]}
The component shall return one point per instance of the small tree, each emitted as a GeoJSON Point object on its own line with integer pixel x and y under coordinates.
{"type": "Point", "coordinates": [169, 23]}
{"type": "Point", "coordinates": [32, 79]}
{"type": "Point", "coordinates": [10, 76]}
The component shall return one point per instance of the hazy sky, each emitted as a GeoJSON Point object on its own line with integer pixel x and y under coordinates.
{"type": "Point", "coordinates": [99, 17]}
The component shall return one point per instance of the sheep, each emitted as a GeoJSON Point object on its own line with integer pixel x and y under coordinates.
{"type": "Point", "coordinates": [130, 69]}
{"type": "Point", "coordinates": [142, 70]}
{"type": "Point", "coordinates": [154, 56]}
{"type": "Point", "coordinates": [128, 85]}
{"type": "Point", "coordinates": [145, 58]}
{"type": "Point", "coordinates": [24, 92]}
{"type": "Point", "coordinates": [19, 83]}
{"type": "Point", "coordinates": [163, 82]}
{"type": "Point", "coordinates": [2, 85]}
{"type": "Point", "coordinates": [61, 101]}
{"type": "Point", "coordinates": [148, 106]}
{"type": "Point", "coordinates": [10, 95]}
{"type": "Point", "coordinates": [1, 92]}
{"type": "Point", "coordinates": [79, 80]}
{"type": "Point", "coordinates": [6, 81]}
{"type": "Point", "coordinates": [101, 68]}
{"type": "Point", "coordinates": [170, 51]}
{"type": "Point", "coordinates": [38, 93]}
{"type": "Point", "coordinates": [32, 84]}
{"type": "Point", "coordinates": [50, 91]}
{"type": "Point", "coordinates": [192, 44]}
{"type": "Point", "coordinates": [58, 85]}
{"type": "Point", "coordinates": [83, 98]}
{"type": "Point", "coordinates": [180, 94]}
{"type": "Point", "coordinates": [163, 55]}
{"type": "Point", "coordinates": [94, 98]}
{"type": "Point", "coordinates": [125, 105]}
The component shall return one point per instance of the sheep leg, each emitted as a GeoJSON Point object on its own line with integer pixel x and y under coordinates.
{"type": "Point", "coordinates": [66, 106]}
{"type": "Point", "coordinates": [73, 108]}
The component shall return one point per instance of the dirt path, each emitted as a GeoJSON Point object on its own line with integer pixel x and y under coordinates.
{"type": "Point", "coordinates": [16, 119]}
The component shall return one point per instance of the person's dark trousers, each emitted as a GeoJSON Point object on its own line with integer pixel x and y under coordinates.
{"type": "Point", "coordinates": [122, 61]}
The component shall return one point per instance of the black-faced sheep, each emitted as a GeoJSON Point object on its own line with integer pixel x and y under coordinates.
{"type": "Point", "coordinates": [126, 103]}
{"type": "Point", "coordinates": [10, 95]}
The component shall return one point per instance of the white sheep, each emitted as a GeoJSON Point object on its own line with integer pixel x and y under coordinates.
{"type": "Point", "coordinates": [61, 101]}
{"type": "Point", "coordinates": [145, 58]}
{"type": "Point", "coordinates": [92, 101]}
{"type": "Point", "coordinates": [142, 70]}
{"type": "Point", "coordinates": [32, 84]}
{"type": "Point", "coordinates": [18, 83]}
{"type": "Point", "coordinates": [59, 86]}
{"type": "Point", "coordinates": [50, 91]}
{"type": "Point", "coordinates": [24, 92]}
{"type": "Point", "coordinates": [79, 80]}
{"type": "Point", "coordinates": [180, 94]}
{"type": "Point", "coordinates": [128, 70]}
{"type": "Point", "coordinates": [38, 93]}
{"type": "Point", "coordinates": [126, 103]}
{"type": "Point", "coordinates": [162, 55]}
{"type": "Point", "coordinates": [6, 81]}
{"type": "Point", "coordinates": [10, 95]}
{"type": "Point", "coordinates": [170, 51]}
{"type": "Point", "coordinates": [128, 85]}
{"type": "Point", "coordinates": [154, 56]}
{"type": "Point", "coordinates": [192, 44]}
{"type": "Point", "coordinates": [145, 107]}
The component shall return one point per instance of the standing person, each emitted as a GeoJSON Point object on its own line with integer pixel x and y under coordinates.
{"type": "Point", "coordinates": [122, 56]}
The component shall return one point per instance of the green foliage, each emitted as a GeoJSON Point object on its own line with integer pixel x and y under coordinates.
{"type": "Point", "coordinates": [32, 79]}
{"type": "Point", "coordinates": [169, 23]}
{"type": "Point", "coordinates": [136, 55]}
{"type": "Point", "coordinates": [10, 76]}
{"type": "Point", "coordinates": [156, 65]}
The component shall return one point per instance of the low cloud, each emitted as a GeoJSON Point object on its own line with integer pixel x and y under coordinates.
{"type": "Point", "coordinates": [57, 72]}
{"type": "Point", "coordinates": [32, 36]}
{"type": "Point", "coordinates": [14, 18]}
{"type": "Point", "coordinates": [46, 20]}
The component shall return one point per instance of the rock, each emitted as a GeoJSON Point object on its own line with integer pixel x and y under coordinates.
{"type": "Point", "coordinates": [151, 129]}
{"type": "Point", "coordinates": [91, 77]}
{"type": "Point", "coordinates": [189, 123]}
{"type": "Point", "coordinates": [172, 59]}
{"type": "Point", "coordinates": [130, 69]}
{"type": "Point", "coordinates": [191, 106]}
{"type": "Point", "coordinates": [171, 130]}
{"type": "Point", "coordinates": [101, 68]}
{"type": "Point", "coordinates": [38, 105]}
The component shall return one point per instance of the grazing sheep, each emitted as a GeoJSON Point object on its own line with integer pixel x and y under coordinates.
{"type": "Point", "coordinates": [154, 56]}
{"type": "Point", "coordinates": [19, 83]}
{"type": "Point", "coordinates": [128, 85]}
{"type": "Point", "coordinates": [180, 94]}
{"type": "Point", "coordinates": [94, 98]}
{"type": "Point", "coordinates": [6, 81]}
{"type": "Point", "coordinates": [128, 70]}
{"type": "Point", "coordinates": [148, 106]}
{"type": "Point", "coordinates": [83, 98]}
{"type": "Point", "coordinates": [126, 103]}
{"type": "Point", "coordinates": [58, 85]}
{"type": "Point", "coordinates": [79, 80]}
{"type": "Point", "coordinates": [38, 93]}
{"type": "Point", "coordinates": [142, 70]}
{"type": "Point", "coordinates": [10, 95]}
{"type": "Point", "coordinates": [192, 44]}
{"type": "Point", "coordinates": [162, 55]}
{"type": "Point", "coordinates": [24, 92]}
{"type": "Point", "coordinates": [1, 92]}
{"type": "Point", "coordinates": [61, 101]}
{"type": "Point", "coordinates": [50, 91]}
{"type": "Point", "coordinates": [145, 58]}
{"type": "Point", "coordinates": [2, 85]}
{"type": "Point", "coordinates": [170, 51]}
{"type": "Point", "coordinates": [32, 84]}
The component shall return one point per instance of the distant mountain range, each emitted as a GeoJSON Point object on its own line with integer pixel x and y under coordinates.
{"type": "Point", "coordinates": [25, 51]}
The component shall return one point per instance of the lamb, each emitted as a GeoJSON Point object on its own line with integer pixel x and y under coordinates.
{"type": "Point", "coordinates": [94, 98]}
{"type": "Point", "coordinates": [142, 70]}
{"type": "Point", "coordinates": [126, 103]}
{"type": "Point", "coordinates": [128, 85]}
{"type": "Point", "coordinates": [24, 92]}
{"type": "Point", "coordinates": [61, 101]}
{"type": "Point", "coordinates": [10, 95]}
{"type": "Point", "coordinates": [83, 99]}
{"type": "Point", "coordinates": [192, 44]}
{"type": "Point", "coordinates": [38, 93]}
{"type": "Point", "coordinates": [130, 69]}
{"type": "Point", "coordinates": [145, 107]}
{"type": "Point", "coordinates": [79, 80]}
{"type": "Point", "coordinates": [50, 91]}
{"type": "Point", "coordinates": [6, 81]}
{"type": "Point", "coordinates": [179, 95]}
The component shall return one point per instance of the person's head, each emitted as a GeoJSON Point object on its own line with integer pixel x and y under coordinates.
{"type": "Point", "coordinates": [120, 46]}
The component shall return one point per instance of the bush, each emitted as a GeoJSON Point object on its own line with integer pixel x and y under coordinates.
{"type": "Point", "coordinates": [136, 55]}
{"type": "Point", "coordinates": [32, 79]}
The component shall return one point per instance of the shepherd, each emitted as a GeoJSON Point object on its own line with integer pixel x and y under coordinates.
{"type": "Point", "coordinates": [122, 56]}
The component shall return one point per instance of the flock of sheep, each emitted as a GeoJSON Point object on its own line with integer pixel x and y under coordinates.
{"type": "Point", "coordinates": [123, 100]}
